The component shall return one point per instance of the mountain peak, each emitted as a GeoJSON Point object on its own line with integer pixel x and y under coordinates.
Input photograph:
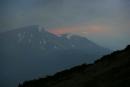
{"type": "Point", "coordinates": [43, 50]}
{"type": "Point", "coordinates": [33, 27]}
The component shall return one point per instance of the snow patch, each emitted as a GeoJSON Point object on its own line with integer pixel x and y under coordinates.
{"type": "Point", "coordinates": [40, 42]}
{"type": "Point", "coordinates": [20, 36]}
{"type": "Point", "coordinates": [73, 45]}
{"type": "Point", "coordinates": [29, 40]}
{"type": "Point", "coordinates": [68, 36]}
{"type": "Point", "coordinates": [24, 33]}
{"type": "Point", "coordinates": [55, 47]}
{"type": "Point", "coordinates": [40, 29]}
{"type": "Point", "coordinates": [31, 35]}
{"type": "Point", "coordinates": [44, 42]}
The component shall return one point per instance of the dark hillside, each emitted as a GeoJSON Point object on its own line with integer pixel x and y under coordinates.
{"type": "Point", "coordinates": [110, 71]}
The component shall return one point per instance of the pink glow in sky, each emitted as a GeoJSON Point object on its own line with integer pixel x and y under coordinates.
{"type": "Point", "coordinates": [81, 29]}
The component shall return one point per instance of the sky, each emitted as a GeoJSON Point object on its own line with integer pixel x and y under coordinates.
{"type": "Point", "coordinates": [106, 22]}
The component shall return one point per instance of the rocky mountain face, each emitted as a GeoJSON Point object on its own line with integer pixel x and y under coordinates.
{"type": "Point", "coordinates": [112, 70]}
{"type": "Point", "coordinates": [32, 51]}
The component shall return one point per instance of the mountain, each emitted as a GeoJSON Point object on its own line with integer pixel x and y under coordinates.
{"type": "Point", "coordinates": [112, 70]}
{"type": "Point", "coordinates": [32, 51]}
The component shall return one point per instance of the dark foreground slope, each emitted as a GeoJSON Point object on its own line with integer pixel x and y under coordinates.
{"type": "Point", "coordinates": [110, 71]}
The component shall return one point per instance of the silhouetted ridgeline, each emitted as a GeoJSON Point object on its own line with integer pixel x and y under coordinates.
{"type": "Point", "coordinates": [110, 71]}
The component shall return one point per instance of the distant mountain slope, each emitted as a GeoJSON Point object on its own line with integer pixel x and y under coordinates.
{"type": "Point", "coordinates": [32, 51]}
{"type": "Point", "coordinates": [110, 71]}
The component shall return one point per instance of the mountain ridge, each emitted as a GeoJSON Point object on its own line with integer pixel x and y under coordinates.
{"type": "Point", "coordinates": [31, 51]}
